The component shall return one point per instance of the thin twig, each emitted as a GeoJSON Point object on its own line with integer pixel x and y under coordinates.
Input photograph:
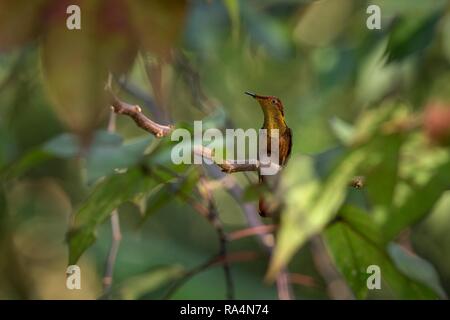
{"type": "Point", "coordinates": [303, 280]}
{"type": "Point", "coordinates": [336, 286]}
{"type": "Point", "coordinates": [249, 209]}
{"type": "Point", "coordinates": [146, 100]}
{"type": "Point", "coordinates": [283, 285]}
{"type": "Point", "coordinates": [112, 255]}
{"type": "Point", "coordinates": [227, 166]}
{"type": "Point", "coordinates": [215, 261]}
{"type": "Point", "coordinates": [266, 238]}
{"type": "Point", "coordinates": [191, 78]}
{"type": "Point", "coordinates": [115, 225]}
{"type": "Point", "coordinates": [209, 211]}
{"type": "Point", "coordinates": [135, 112]}
{"type": "Point", "coordinates": [213, 218]}
{"type": "Point", "coordinates": [248, 232]}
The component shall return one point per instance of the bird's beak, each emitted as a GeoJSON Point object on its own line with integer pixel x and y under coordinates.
{"type": "Point", "coordinates": [256, 96]}
{"type": "Point", "coordinates": [250, 94]}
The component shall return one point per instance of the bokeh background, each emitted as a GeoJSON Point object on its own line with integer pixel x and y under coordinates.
{"type": "Point", "coordinates": [360, 102]}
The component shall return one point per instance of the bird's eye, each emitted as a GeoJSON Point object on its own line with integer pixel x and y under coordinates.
{"type": "Point", "coordinates": [274, 101]}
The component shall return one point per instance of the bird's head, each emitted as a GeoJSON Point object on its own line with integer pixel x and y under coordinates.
{"type": "Point", "coordinates": [270, 105]}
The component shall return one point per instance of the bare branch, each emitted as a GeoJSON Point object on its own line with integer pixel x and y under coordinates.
{"type": "Point", "coordinates": [142, 96]}
{"type": "Point", "coordinates": [283, 285]}
{"type": "Point", "coordinates": [213, 217]}
{"type": "Point", "coordinates": [266, 238]}
{"type": "Point", "coordinates": [112, 255]}
{"type": "Point", "coordinates": [191, 78]}
{"type": "Point", "coordinates": [135, 112]}
{"type": "Point", "coordinates": [209, 211]}
{"type": "Point", "coordinates": [336, 286]}
{"type": "Point", "coordinates": [227, 166]}
{"type": "Point", "coordinates": [251, 214]}
{"type": "Point", "coordinates": [303, 280]}
{"type": "Point", "coordinates": [115, 228]}
{"type": "Point", "coordinates": [159, 130]}
{"type": "Point", "coordinates": [263, 229]}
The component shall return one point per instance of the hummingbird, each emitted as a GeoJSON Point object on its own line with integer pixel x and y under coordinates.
{"type": "Point", "coordinates": [272, 108]}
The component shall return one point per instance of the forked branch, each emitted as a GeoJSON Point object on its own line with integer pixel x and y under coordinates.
{"type": "Point", "coordinates": [159, 130]}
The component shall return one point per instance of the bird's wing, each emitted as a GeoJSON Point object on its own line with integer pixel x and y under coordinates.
{"type": "Point", "coordinates": [285, 148]}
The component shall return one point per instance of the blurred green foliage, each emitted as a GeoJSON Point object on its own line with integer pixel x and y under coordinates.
{"type": "Point", "coordinates": [372, 103]}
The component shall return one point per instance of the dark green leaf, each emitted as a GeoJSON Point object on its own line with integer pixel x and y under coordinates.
{"type": "Point", "coordinates": [353, 253]}
{"type": "Point", "coordinates": [308, 211]}
{"type": "Point", "coordinates": [107, 154]}
{"type": "Point", "coordinates": [253, 192]}
{"type": "Point", "coordinates": [358, 219]}
{"type": "Point", "coordinates": [139, 285]}
{"type": "Point", "coordinates": [164, 193]}
{"type": "Point", "coordinates": [29, 160]}
{"type": "Point", "coordinates": [106, 197]}
{"type": "Point", "coordinates": [159, 197]}
{"type": "Point", "coordinates": [411, 36]}
{"type": "Point", "coordinates": [65, 145]}
{"type": "Point", "coordinates": [418, 203]}
{"type": "Point", "coordinates": [381, 180]}
{"type": "Point", "coordinates": [416, 268]}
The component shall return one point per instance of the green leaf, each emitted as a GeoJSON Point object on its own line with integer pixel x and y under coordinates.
{"type": "Point", "coordinates": [412, 35]}
{"type": "Point", "coordinates": [358, 219]}
{"type": "Point", "coordinates": [31, 159]}
{"type": "Point", "coordinates": [65, 145]}
{"type": "Point", "coordinates": [158, 197]}
{"type": "Point", "coordinates": [353, 253]}
{"type": "Point", "coordinates": [68, 145]}
{"type": "Point", "coordinates": [416, 268]}
{"type": "Point", "coordinates": [253, 191]}
{"type": "Point", "coordinates": [167, 190]}
{"type": "Point", "coordinates": [381, 180]}
{"type": "Point", "coordinates": [105, 156]}
{"type": "Point", "coordinates": [309, 207]}
{"type": "Point", "coordinates": [106, 152]}
{"type": "Point", "coordinates": [106, 197]}
{"type": "Point", "coordinates": [161, 155]}
{"type": "Point", "coordinates": [106, 138]}
{"type": "Point", "coordinates": [137, 286]}
{"type": "Point", "coordinates": [343, 131]}
{"type": "Point", "coordinates": [419, 202]}
{"type": "Point", "coordinates": [307, 215]}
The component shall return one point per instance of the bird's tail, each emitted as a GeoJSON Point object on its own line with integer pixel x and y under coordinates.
{"type": "Point", "coordinates": [262, 204]}
{"type": "Point", "coordinates": [263, 210]}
